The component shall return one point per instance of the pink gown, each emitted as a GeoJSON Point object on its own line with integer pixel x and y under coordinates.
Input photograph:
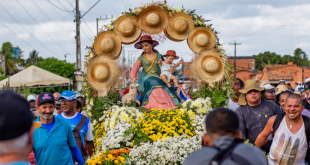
{"type": "Point", "coordinates": [159, 97]}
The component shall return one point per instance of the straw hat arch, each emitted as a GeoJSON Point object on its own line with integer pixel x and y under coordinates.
{"type": "Point", "coordinates": [109, 44]}
{"type": "Point", "coordinates": [126, 27]}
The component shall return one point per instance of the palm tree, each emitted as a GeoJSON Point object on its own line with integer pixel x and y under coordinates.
{"type": "Point", "coordinates": [7, 50]}
{"type": "Point", "coordinates": [33, 57]}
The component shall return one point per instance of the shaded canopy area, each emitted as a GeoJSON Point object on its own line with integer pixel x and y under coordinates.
{"type": "Point", "coordinates": [35, 77]}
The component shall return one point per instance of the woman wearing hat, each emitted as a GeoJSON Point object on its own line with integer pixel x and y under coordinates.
{"type": "Point", "coordinates": [154, 92]}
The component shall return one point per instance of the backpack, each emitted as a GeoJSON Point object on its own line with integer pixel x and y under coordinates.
{"type": "Point", "coordinates": [227, 153]}
{"type": "Point", "coordinates": [77, 136]}
{"type": "Point", "coordinates": [278, 120]}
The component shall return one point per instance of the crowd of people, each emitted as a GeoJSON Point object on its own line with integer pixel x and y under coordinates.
{"type": "Point", "coordinates": [51, 128]}
{"type": "Point", "coordinates": [54, 129]}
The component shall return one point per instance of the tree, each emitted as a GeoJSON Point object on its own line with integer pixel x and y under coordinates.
{"type": "Point", "coordinates": [7, 50]}
{"type": "Point", "coordinates": [58, 67]}
{"type": "Point", "coordinates": [298, 53]}
{"type": "Point", "coordinates": [266, 58]}
{"type": "Point", "coordinates": [33, 58]}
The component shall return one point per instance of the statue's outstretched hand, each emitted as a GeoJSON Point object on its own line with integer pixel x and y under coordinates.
{"type": "Point", "coordinates": [160, 62]}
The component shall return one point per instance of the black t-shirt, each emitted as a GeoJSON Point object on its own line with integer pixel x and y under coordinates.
{"type": "Point", "coordinates": [252, 120]}
{"type": "Point", "coordinates": [306, 104]}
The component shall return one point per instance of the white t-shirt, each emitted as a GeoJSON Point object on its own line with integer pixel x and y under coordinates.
{"type": "Point", "coordinates": [232, 105]}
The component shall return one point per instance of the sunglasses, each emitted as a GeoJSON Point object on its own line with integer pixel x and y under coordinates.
{"type": "Point", "coordinates": [31, 101]}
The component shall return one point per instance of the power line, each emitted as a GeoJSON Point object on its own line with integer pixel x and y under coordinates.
{"type": "Point", "coordinates": [88, 27]}
{"type": "Point", "coordinates": [27, 31]}
{"type": "Point", "coordinates": [46, 15]}
{"type": "Point", "coordinates": [86, 35]}
{"type": "Point", "coordinates": [58, 7]}
{"type": "Point", "coordinates": [59, 13]}
{"type": "Point", "coordinates": [18, 36]}
{"type": "Point", "coordinates": [46, 32]}
{"type": "Point", "coordinates": [40, 26]}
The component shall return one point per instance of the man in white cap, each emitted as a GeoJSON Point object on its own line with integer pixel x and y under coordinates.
{"type": "Point", "coordinates": [32, 102]}
{"type": "Point", "coordinates": [282, 82]}
{"type": "Point", "coordinates": [298, 85]}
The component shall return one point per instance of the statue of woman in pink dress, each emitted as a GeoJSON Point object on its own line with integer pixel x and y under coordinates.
{"type": "Point", "coordinates": [154, 92]}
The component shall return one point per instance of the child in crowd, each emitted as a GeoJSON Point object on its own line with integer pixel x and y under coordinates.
{"type": "Point", "coordinates": [165, 75]}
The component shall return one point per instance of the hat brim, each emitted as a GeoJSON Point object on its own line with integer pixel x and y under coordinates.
{"type": "Point", "coordinates": [245, 91]}
{"type": "Point", "coordinates": [127, 39]}
{"type": "Point", "coordinates": [164, 20]}
{"type": "Point", "coordinates": [175, 35]}
{"type": "Point", "coordinates": [192, 42]}
{"type": "Point", "coordinates": [200, 74]}
{"type": "Point", "coordinates": [113, 73]}
{"type": "Point", "coordinates": [116, 52]}
{"type": "Point", "coordinates": [170, 38]}
{"type": "Point", "coordinates": [138, 44]}
{"type": "Point", "coordinates": [176, 57]}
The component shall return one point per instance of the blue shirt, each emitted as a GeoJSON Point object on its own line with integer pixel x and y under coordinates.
{"type": "Point", "coordinates": [17, 163]}
{"type": "Point", "coordinates": [48, 126]}
{"type": "Point", "coordinates": [74, 121]}
{"type": "Point", "coordinates": [54, 147]}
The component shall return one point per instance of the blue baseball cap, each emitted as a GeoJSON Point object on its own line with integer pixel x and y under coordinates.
{"type": "Point", "coordinates": [68, 95]}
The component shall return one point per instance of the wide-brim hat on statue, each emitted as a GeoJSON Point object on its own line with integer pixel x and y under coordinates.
{"type": "Point", "coordinates": [249, 85]}
{"type": "Point", "coordinates": [153, 20]}
{"type": "Point", "coordinates": [144, 39]}
{"type": "Point", "coordinates": [171, 53]}
{"type": "Point", "coordinates": [180, 26]}
{"type": "Point", "coordinates": [109, 44]}
{"type": "Point", "coordinates": [201, 38]}
{"type": "Point", "coordinates": [102, 73]}
{"type": "Point", "coordinates": [170, 38]}
{"type": "Point", "coordinates": [126, 27]}
{"type": "Point", "coordinates": [208, 67]}
{"type": "Point", "coordinates": [281, 88]}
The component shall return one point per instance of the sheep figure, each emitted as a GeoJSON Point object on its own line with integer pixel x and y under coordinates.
{"type": "Point", "coordinates": [131, 95]}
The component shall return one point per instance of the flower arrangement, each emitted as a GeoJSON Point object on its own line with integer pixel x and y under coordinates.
{"type": "Point", "coordinates": [107, 158]}
{"type": "Point", "coordinates": [158, 136]}
{"type": "Point", "coordinates": [172, 150]}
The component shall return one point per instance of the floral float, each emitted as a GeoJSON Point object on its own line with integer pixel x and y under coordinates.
{"type": "Point", "coordinates": [156, 136]}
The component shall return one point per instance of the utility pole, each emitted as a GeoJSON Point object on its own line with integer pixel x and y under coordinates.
{"type": "Point", "coordinates": [235, 56]}
{"type": "Point", "coordinates": [97, 19]}
{"type": "Point", "coordinates": [78, 73]}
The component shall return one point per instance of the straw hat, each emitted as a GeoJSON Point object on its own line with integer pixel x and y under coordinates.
{"type": "Point", "coordinates": [153, 20]}
{"type": "Point", "coordinates": [208, 66]}
{"type": "Point", "coordinates": [171, 53]}
{"type": "Point", "coordinates": [249, 85]}
{"type": "Point", "coordinates": [102, 73]}
{"type": "Point", "coordinates": [125, 27]}
{"type": "Point", "coordinates": [170, 38]}
{"type": "Point", "coordinates": [108, 43]}
{"type": "Point", "coordinates": [201, 38]}
{"type": "Point", "coordinates": [180, 26]}
{"type": "Point", "coordinates": [281, 88]}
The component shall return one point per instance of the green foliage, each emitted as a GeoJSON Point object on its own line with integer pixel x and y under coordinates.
{"type": "Point", "coordinates": [58, 67]}
{"type": "Point", "coordinates": [33, 58]}
{"type": "Point", "coordinates": [300, 58]}
{"type": "Point", "coordinates": [218, 92]}
{"type": "Point", "coordinates": [7, 50]}
{"type": "Point", "coordinates": [1, 71]}
{"type": "Point", "coordinates": [26, 91]}
{"type": "Point", "coordinates": [103, 103]}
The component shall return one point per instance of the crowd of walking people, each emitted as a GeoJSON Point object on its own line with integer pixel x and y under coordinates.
{"type": "Point", "coordinates": [54, 129]}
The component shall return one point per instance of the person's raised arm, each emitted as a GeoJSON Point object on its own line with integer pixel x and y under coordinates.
{"type": "Point", "coordinates": [178, 64]}
{"type": "Point", "coordinates": [262, 137]}
{"type": "Point", "coordinates": [241, 122]}
{"type": "Point", "coordinates": [134, 71]}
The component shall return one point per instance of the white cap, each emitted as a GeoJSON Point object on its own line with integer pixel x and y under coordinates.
{"type": "Point", "coordinates": [268, 86]}
{"type": "Point", "coordinates": [282, 81]}
{"type": "Point", "coordinates": [31, 97]}
{"type": "Point", "coordinates": [307, 79]}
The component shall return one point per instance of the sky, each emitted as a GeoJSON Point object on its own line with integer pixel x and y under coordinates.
{"type": "Point", "coordinates": [48, 26]}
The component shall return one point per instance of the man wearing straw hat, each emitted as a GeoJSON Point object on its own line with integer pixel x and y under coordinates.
{"type": "Point", "coordinates": [254, 112]}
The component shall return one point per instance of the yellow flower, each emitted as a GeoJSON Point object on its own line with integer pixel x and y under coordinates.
{"type": "Point", "coordinates": [116, 161]}
{"type": "Point", "coordinates": [122, 159]}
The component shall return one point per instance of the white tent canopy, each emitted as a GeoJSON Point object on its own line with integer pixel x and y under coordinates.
{"type": "Point", "coordinates": [35, 77]}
